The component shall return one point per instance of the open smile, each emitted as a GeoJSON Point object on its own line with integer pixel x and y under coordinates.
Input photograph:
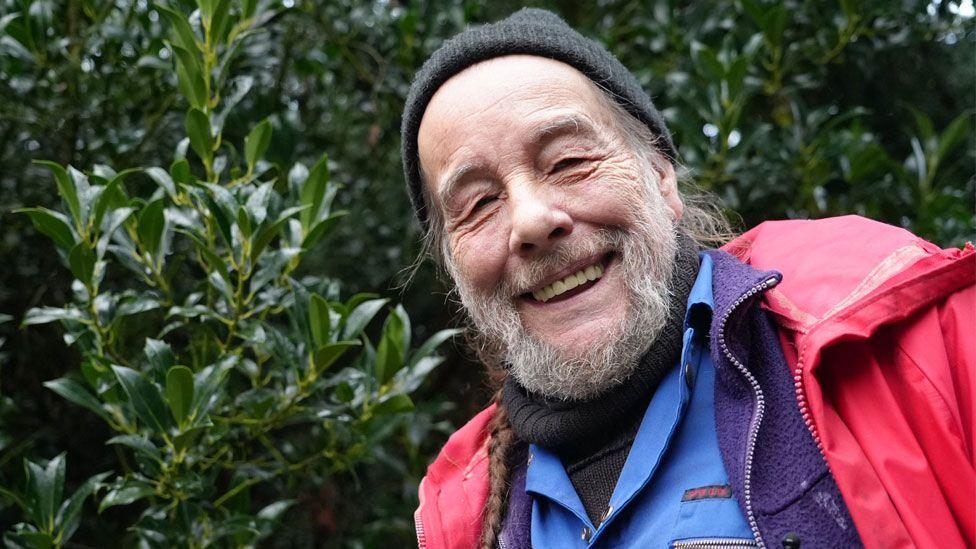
{"type": "Point", "coordinates": [571, 281]}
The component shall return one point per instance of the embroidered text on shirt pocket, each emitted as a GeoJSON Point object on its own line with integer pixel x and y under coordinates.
{"type": "Point", "coordinates": [710, 523]}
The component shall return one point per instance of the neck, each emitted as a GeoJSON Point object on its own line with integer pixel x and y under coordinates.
{"type": "Point", "coordinates": [579, 427]}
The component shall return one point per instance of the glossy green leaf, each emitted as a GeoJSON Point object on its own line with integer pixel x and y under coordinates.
{"type": "Point", "coordinates": [223, 206]}
{"type": "Point", "coordinates": [221, 217]}
{"type": "Point", "coordinates": [82, 262]}
{"type": "Point", "coordinates": [248, 7]}
{"type": "Point", "coordinates": [256, 142]}
{"type": "Point", "coordinates": [207, 384]}
{"type": "Point", "coordinates": [77, 394]}
{"type": "Point", "coordinates": [45, 487]}
{"type": "Point", "coordinates": [322, 228]}
{"type": "Point", "coordinates": [394, 405]}
{"type": "Point", "coordinates": [206, 9]}
{"type": "Point", "coordinates": [274, 511]}
{"type": "Point", "coordinates": [272, 266]}
{"type": "Point", "coordinates": [432, 344]}
{"type": "Point", "coordinates": [314, 190]}
{"type": "Point", "coordinates": [43, 315]}
{"type": "Point", "coordinates": [179, 170]}
{"type": "Point", "coordinates": [66, 188]}
{"type": "Point", "coordinates": [326, 355]}
{"type": "Point", "coordinates": [159, 354]}
{"type": "Point", "coordinates": [399, 326]}
{"type": "Point", "coordinates": [111, 197]}
{"type": "Point", "coordinates": [389, 356]}
{"type": "Point", "coordinates": [53, 224]}
{"type": "Point", "coordinates": [180, 25]}
{"type": "Point", "coordinates": [163, 179]}
{"type": "Point", "coordinates": [114, 218]}
{"type": "Point", "coordinates": [190, 78]}
{"type": "Point", "coordinates": [24, 538]}
{"type": "Point", "coordinates": [129, 492]}
{"type": "Point", "coordinates": [138, 443]}
{"type": "Point", "coordinates": [266, 234]}
{"type": "Point", "coordinates": [319, 320]}
{"type": "Point", "coordinates": [257, 202]}
{"type": "Point", "coordinates": [151, 224]}
{"type": "Point", "coordinates": [145, 397]}
{"type": "Point", "coordinates": [220, 20]}
{"type": "Point", "coordinates": [954, 134]}
{"type": "Point", "coordinates": [188, 436]}
{"type": "Point", "coordinates": [69, 515]}
{"type": "Point", "coordinates": [360, 316]}
{"type": "Point", "coordinates": [135, 305]}
{"type": "Point", "coordinates": [410, 378]}
{"type": "Point", "coordinates": [244, 222]}
{"type": "Point", "coordinates": [179, 392]}
{"type": "Point", "coordinates": [199, 131]}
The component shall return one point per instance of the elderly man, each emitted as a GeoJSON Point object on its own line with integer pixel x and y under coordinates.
{"type": "Point", "coordinates": [807, 385]}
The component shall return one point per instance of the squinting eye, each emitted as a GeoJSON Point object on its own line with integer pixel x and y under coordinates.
{"type": "Point", "coordinates": [567, 163]}
{"type": "Point", "coordinates": [484, 201]}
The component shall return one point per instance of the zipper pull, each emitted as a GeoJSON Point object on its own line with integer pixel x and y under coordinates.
{"type": "Point", "coordinates": [791, 541]}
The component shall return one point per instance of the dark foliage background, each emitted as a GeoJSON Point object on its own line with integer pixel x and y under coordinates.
{"type": "Point", "coordinates": [782, 108]}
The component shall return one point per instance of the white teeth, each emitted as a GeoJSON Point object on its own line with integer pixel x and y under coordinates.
{"type": "Point", "coordinates": [592, 272]}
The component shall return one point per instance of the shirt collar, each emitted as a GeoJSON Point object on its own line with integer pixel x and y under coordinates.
{"type": "Point", "coordinates": [698, 313]}
{"type": "Point", "coordinates": [546, 474]}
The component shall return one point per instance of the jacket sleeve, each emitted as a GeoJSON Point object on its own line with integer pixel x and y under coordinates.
{"type": "Point", "coordinates": [958, 319]}
{"type": "Point", "coordinates": [935, 355]}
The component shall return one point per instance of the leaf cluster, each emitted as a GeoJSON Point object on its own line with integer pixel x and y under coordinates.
{"type": "Point", "coordinates": [243, 376]}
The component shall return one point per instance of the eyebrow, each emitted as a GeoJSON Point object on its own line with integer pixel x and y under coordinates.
{"type": "Point", "coordinates": [567, 124]}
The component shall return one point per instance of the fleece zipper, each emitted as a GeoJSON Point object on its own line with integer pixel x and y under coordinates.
{"type": "Point", "coordinates": [712, 543]}
{"type": "Point", "coordinates": [758, 399]}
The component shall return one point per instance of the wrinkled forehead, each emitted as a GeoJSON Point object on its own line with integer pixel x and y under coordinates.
{"type": "Point", "coordinates": [503, 98]}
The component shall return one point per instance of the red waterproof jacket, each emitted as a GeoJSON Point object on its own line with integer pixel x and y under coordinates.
{"type": "Point", "coordinates": [881, 346]}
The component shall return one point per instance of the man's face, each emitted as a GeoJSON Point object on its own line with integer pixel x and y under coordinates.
{"type": "Point", "coordinates": [548, 216]}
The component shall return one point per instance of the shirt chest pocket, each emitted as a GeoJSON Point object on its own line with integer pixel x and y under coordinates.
{"type": "Point", "coordinates": [711, 523]}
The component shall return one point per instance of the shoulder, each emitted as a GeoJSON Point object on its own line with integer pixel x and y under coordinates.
{"type": "Point", "coordinates": [464, 448]}
{"type": "Point", "coordinates": [454, 491]}
{"type": "Point", "coordinates": [829, 263]}
{"type": "Point", "coordinates": [850, 242]}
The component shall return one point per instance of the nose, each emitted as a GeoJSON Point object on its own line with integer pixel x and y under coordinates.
{"type": "Point", "coordinates": [538, 222]}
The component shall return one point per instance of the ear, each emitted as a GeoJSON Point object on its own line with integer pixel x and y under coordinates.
{"type": "Point", "coordinates": [667, 183]}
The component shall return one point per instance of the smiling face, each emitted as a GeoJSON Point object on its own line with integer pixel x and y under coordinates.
{"type": "Point", "coordinates": [557, 232]}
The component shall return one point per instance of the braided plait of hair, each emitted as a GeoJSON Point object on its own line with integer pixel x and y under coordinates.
{"type": "Point", "coordinates": [500, 452]}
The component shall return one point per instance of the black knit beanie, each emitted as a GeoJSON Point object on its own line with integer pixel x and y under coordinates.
{"type": "Point", "coordinates": [529, 31]}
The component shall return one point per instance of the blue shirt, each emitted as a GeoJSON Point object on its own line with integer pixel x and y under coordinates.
{"type": "Point", "coordinates": [673, 486]}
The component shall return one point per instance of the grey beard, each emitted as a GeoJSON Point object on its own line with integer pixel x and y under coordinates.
{"type": "Point", "coordinates": [647, 261]}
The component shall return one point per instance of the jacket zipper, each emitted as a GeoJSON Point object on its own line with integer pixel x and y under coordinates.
{"type": "Point", "coordinates": [760, 409]}
{"type": "Point", "coordinates": [419, 526]}
{"type": "Point", "coordinates": [712, 543]}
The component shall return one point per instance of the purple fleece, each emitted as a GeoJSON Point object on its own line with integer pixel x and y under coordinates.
{"type": "Point", "coordinates": [792, 489]}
